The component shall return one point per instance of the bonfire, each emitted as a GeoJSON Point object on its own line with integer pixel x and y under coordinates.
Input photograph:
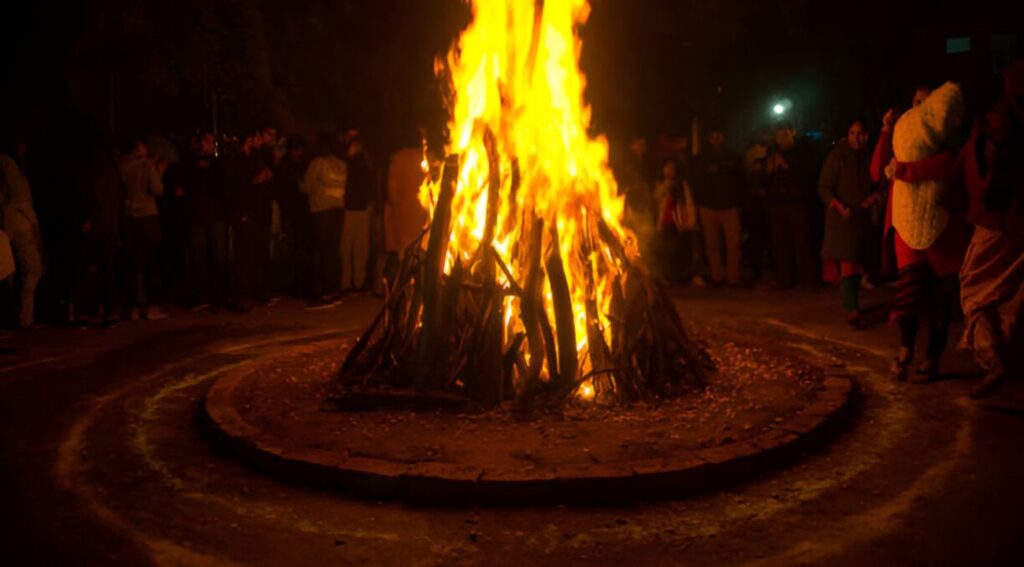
{"type": "Point", "coordinates": [525, 285]}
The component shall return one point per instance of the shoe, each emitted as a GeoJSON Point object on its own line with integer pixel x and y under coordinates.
{"type": "Point", "coordinates": [988, 383]}
{"type": "Point", "coordinates": [153, 313]}
{"type": "Point", "coordinates": [199, 307]}
{"type": "Point", "coordinates": [697, 281]}
{"type": "Point", "coordinates": [325, 302]}
{"type": "Point", "coordinates": [134, 314]}
{"type": "Point", "coordinates": [240, 306]}
{"type": "Point", "coordinates": [901, 366]}
{"type": "Point", "coordinates": [856, 320]}
{"type": "Point", "coordinates": [927, 372]}
{"type": "Point", "coordinates": [30, 326]}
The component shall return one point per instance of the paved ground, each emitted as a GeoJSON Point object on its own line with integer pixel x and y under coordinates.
{"type": "Point", "coordinates": [104, 463]}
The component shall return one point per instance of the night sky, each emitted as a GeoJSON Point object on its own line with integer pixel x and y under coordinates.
{"type": "Point", "coordinates": [120, 67]}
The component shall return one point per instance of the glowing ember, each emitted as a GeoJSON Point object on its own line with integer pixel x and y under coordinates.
{"type": "Point", "coordinates": [586, 391]}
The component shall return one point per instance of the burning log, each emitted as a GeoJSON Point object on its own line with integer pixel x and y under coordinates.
{"type": "Point", "coordinates": [528, 286]}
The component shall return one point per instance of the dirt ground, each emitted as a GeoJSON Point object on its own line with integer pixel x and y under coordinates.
{"type": "Point", "coordinates": [755, 387]}
{"type": "Point", "coordinates": [104, 463]}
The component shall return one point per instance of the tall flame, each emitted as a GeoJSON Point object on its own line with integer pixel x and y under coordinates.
{"type": "Point", "coordinates": [517, 88]}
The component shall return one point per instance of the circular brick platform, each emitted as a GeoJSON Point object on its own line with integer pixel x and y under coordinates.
{"type": "Point", "coordinates": [228, 409]}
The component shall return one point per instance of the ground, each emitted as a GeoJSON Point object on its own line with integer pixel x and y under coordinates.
{"type": "Point", "coordinates": [105, 463]}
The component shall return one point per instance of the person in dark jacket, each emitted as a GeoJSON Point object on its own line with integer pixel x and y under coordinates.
{"type": "Point", "coordinates": [294, 260]}
{"type": "Point", "coordinates": [248, 196]}
{"type": "Point", "coordinates": [101, 207]}
{"type": "Point", "coordinates": [355, 231]}
{"type": "Point", "coordinates": [790, 185]}
{"type": "Point", "coordinates": [717, 178]}
{"type": "Point", "coordinates": [203, 191]}
{"type": "Point", "coordinates": [143, 184]}
{"type": "Point", "coordinates": [846, 188]}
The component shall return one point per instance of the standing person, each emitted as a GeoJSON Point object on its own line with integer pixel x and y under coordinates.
{"type": "Point", "coordinates": [206, 223]}
{"type": "Point", "coordinates": [142, 185]}
{"type": "Point", "coordinates": [637, 185]}
{"type": "Point", "coordinates": [22, 227]}
{"type": "Point", "coordinates": [266, 154]}
{"type": "Point", "coordinates": [355, 235]}
{"type": "Point", "coordinates": [677, 225]}
{"type": "Point", "coordinates": [248, 193]}
{"type": "Point", "coordinates": [718, 188]}
{"type": "Point", "coordinates": [930, 231]}
{"type": "Point", "coordinates": [790, 171]}
{"type": "Point", "coordinates": [294, 260]}
{"type": "Point", "coordinates": [404, 215]}
{"type": "Point", "coordinates": [879, 160]}
{"type": "Point", "coordinates": [324, 185]}
{"type": "Point", "coordinates": [753, 211]}
{"type": "Point", "coordinates": [992, 292]}
{"type": "Point", "coordinates": [846, 189]}
{"type": "Point", "coordinates": [101, 205]}
{"type": "Point", "coordinates": [175, 277]}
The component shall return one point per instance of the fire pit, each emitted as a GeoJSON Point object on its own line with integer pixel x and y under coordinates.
{"type": "Point", "coordinates": [762, 405]}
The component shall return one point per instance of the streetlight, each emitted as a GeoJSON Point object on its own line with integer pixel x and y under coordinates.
{"type": "Point", "coordinates": [779, 109]}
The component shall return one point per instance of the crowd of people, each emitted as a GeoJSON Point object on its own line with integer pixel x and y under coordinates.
{"type": "Point", "coordinates": [236, 223]}
{"type": "Point", "coordinates": [227, 224]}
{"type": "Point", "coordinates": [933, 208]}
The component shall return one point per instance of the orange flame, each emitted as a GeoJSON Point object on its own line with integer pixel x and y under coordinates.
{"type": "Point", "coordinates": [515, 73]}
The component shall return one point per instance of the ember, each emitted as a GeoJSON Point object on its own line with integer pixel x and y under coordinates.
{"type": "Point", "coordinates": [525, 283]}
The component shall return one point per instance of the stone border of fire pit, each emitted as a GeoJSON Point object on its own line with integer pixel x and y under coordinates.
{"type": "Point", "coordinates": [432, 483]}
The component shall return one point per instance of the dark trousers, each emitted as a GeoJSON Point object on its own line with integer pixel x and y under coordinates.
{"type": "Point", "coordinates": [96, 273]}
{"type": "Point", "coordinates": [207, 258]}
{"type": "Point", "coordinates": [244, 265]}
{"type": "Point", "coordinates": [791, 244]}
{"type": "Point", "coordinates": [142, 241]}
{"type": "Point", "coordinates": [327, 250]}
{"type": "Point", "coordinates": [754, 217]}
{"type": "Point", "coordinates": [675, 254]}
{"type": "Point", "coordinates": [263, 282]}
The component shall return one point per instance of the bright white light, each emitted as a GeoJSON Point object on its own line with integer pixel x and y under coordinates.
{"type": "Point", "coordinates": [779, 109]}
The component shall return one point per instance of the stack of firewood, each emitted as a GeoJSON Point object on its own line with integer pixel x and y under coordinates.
{"type": "Point", "coordinates": [446, 330]}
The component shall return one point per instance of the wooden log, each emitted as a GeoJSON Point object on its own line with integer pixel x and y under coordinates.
{"type": "Point", "coordinates": [565, 328]}
{"type": "Point", "coordinates": [493, 190]}
{"type": "Point", "coordinates": [483, 378]}
{"type": "Point", "coordinates": [433, 267]}
{"type": "Point", "coordinates": [532, 307]}
{"type": "Point", "coordinates": [513, 209]}
{"type": "Point", "coordinates": [535, 37]}
{"type": "Point", "coordinates": [611, 241]}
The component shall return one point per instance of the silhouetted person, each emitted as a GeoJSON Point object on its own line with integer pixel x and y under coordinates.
{"type": "Point", "coordinates": [22, 227]}
{"type": "Point", "coordinates": [294, 260]}
{"type": "Point", "coordinates": [717, 180]}
{"type": "Point", "coordinates": [324, 185]}
{"type": "Point", "coordinates": [101, 201]}
{"type": "Point", "coordinates": [203, 188]}
{"type": "Point", "coordinates": [677, 225]}
{"type": "Point", "coordinates": [791, 175]}
{"type": "Point", "coordinates": [142, 184]}
{"type": "Point", "coordinates": [847, 191]}
{"type": "Point", "coordinates": [355, 232]}
{"type": "Point", "coordinates": [248, 196]}
{"type": "Point", "coordinates": [404, 215]}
